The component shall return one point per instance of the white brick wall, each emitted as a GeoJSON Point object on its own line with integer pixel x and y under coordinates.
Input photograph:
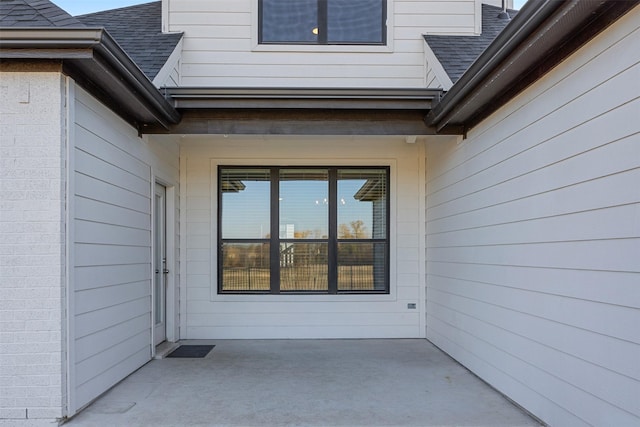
{"type": "Point", "coordinates": [32, 188]}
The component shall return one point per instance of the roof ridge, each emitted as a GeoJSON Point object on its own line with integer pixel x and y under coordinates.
{"type": "Point", "coordinates": [35, 13]}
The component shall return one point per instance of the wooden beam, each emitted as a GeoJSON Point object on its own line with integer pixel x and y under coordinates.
{"type": "Point", "coordinates": [299, 122]}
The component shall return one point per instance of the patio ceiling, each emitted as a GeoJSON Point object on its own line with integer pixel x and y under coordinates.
{"type": "Point", "coordinates": [301, 111]}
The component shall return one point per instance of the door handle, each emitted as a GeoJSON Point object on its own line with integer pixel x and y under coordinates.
{"type": "Point", "coordinates": [165, 271]}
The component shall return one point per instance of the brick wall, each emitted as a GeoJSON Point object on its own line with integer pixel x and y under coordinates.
{"type": "Point", "coordinates": [32, 249]}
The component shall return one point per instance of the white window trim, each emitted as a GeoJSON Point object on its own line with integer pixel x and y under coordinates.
{"type": "Point", "coordinates": [257, 47]}
{"type": "Point", "coordinates": [248, 161]}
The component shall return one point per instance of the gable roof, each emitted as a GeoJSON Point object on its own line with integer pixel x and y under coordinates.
{"type": "Point", "coordinates": [40, 30]}
{"type": "Point", "coordinates": [138, 30]}
{"type": "Point", "coordinates": [457, 53]}
{"type": "Point", "coordinates": [543, 34]}
{"type": "Point", "coordinates": [35, 13]}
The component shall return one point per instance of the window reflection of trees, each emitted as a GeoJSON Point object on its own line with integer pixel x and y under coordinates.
{"type": "Point", "coordinates": [360, 262]}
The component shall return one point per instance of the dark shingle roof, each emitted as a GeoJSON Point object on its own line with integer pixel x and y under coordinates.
{"type": "Point", "coordinates": [138, 30]}
{"type": "Point", "coordinates": [457, 53]}
{"type": "Point", "coordinates": [34, 13]}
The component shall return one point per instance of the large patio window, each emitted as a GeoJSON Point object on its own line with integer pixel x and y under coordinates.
{"type": "Point", "coordinates": [303, 230]}
{"type": "Point", "coordinates": [350, 22]}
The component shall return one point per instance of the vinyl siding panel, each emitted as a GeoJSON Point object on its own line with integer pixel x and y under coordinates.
{"type": "Point", "coordinates": [533, 235]}
{"type": "Point", "coordinates": [113, 173]}
{"type": "Point", "coordinates": [220, 47]}
{"type": "Point", "coordinates": [210, 315]}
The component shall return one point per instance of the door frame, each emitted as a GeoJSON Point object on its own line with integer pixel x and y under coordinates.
{"type": "Point", "coordinates": [171, 292]}
{"type": "Point", "coordinates": [160, 270]}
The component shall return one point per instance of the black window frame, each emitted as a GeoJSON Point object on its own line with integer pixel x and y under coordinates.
{"type": "Point", "coordinates": [275, 240]}
{"type": "Point", "coordinates": [322, 29]}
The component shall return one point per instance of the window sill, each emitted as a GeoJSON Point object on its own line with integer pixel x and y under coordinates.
{"type": "Point", "coordinates": [322, 48]}
{"type": "Point", "coordinates": [215, 297]}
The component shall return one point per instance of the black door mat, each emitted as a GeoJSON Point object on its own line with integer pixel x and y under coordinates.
{"type": "Point", "coordinates": [191, 351]}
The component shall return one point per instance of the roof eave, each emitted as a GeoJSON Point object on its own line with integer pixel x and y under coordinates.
{"type": "Point", "coordinates": [301, 111]}
{"type": "Point", "coordinates": [98, 63]}
{"type": "Point", "coordinates": [303, 98]}
{"type": "Point", "coordinates": [539, 37]}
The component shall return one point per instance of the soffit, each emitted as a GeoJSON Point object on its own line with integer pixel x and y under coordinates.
{"type": "Point", "coordinates": [301, 111]}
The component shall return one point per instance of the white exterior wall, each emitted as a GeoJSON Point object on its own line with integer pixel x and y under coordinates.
{"type": "Point", "coordinates": [32, 255]}
{"type": "Point", "coordinates": [209, 315]}
{"type": "Point", "coordinates": [533, 240]}
{"type": "Point", "coordinates": [221, 49]}
{"type": "Point", "coordinates": [111, 262]}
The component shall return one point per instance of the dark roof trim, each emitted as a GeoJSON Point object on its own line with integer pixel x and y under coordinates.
{"type": "Point", "coordinates": [543, 34]}
{"type": "Point", "coordinates": [456, 53]}
{"type": "Point", "coordinates": [138, 30]}
{"type": "Point", "coordinates": [297, 121]}
{"type": "Point", "coordinates": [96, 61]}
{"type": "Point", "coordinates": [303, 98]}
{"type": "Point", "coordinates": [301, 111]}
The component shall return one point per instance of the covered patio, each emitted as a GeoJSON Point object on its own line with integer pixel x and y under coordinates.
{"type": "Point", "coordinates": [373, 382]}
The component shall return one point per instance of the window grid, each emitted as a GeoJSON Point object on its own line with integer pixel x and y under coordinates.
{"type": "Point", "coordinates": [279, 246]}
{"type": "Point", "coordinates": [323, 22]}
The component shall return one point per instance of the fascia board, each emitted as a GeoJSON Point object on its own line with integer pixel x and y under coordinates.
{"type": "Point", "coordinates": [522, 25]}
{"type": "Point", "coordinates": [303, 98]}
{"type": "Point", "coordinates": [503, 69]}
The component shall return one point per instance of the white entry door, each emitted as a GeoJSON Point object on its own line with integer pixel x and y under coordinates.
{"type": "Point", "coordinates": [160, 258]}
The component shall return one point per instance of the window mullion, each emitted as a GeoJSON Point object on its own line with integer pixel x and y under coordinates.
{"type": "Point", "coordinates": [333, 231]}
{"type": "Point", "coordinates": [274, 256]}
{"type": "Point", "coordinates": [383, 24]}
{"type": "Point", "coordinates": [323, 25]}
{"type": "Point", "coordinates": [220, 245]}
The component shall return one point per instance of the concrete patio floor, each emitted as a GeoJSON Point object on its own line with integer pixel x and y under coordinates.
{"type": "Point", "coordinates": [401, 382]}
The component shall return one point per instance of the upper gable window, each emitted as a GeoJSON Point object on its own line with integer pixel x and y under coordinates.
{"type": "Point", "coordinates": [323, 22]}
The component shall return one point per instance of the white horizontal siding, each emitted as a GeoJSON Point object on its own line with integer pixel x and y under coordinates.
{"type": "Point", "coordinates": [111, 252]}
{"type": "Point", "coordinates": [533, 236]}
{"type": "Point", "coordinates": [220, 47]}
{"type": "Point", "coordinates": [209, 315]}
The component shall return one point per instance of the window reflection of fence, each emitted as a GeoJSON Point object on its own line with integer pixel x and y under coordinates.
{"type": "Point", "coordinates": [246, 279]}
{"type": "Point", "coordinates": [355, 277]}
{"type": "Point", "coordinates": [360, 269]}
{"type": "Point", "coordinates": [311, 277]}
{"type": "Point", "coordinates": [303, 267]}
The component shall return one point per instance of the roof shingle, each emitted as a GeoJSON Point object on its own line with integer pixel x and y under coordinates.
{"type": "Point", "coordinates": [457, 53]}
{"type": "Point", "coordinates": [138, 30]}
